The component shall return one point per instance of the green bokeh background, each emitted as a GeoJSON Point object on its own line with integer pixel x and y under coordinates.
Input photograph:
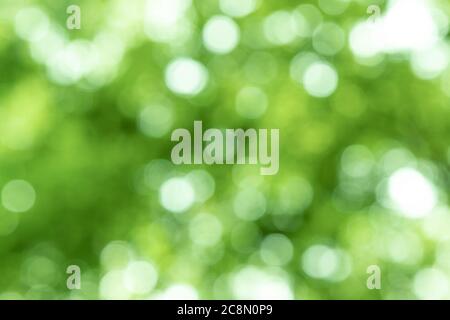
{"type": "Point", "coordinates": [80, 146]}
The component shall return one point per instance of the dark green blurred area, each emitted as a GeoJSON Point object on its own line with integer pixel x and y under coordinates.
{"type": "Point", "coordinates": [85, 148]}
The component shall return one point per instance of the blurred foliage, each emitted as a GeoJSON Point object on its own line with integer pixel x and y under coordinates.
{"type": "Point", "coordinates": [97, 162]}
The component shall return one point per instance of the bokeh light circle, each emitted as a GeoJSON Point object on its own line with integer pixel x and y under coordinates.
{"type": "Point", "coordinates": [18, 196]}
{"type": "Point", "coordinates": [220, 34]}
{"type": "Point", "coordinates": [177, 195]}
{"type": "Point", "coordinates": [320, 79]}
{"type": "Point", "coordinates": [186, 76]}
